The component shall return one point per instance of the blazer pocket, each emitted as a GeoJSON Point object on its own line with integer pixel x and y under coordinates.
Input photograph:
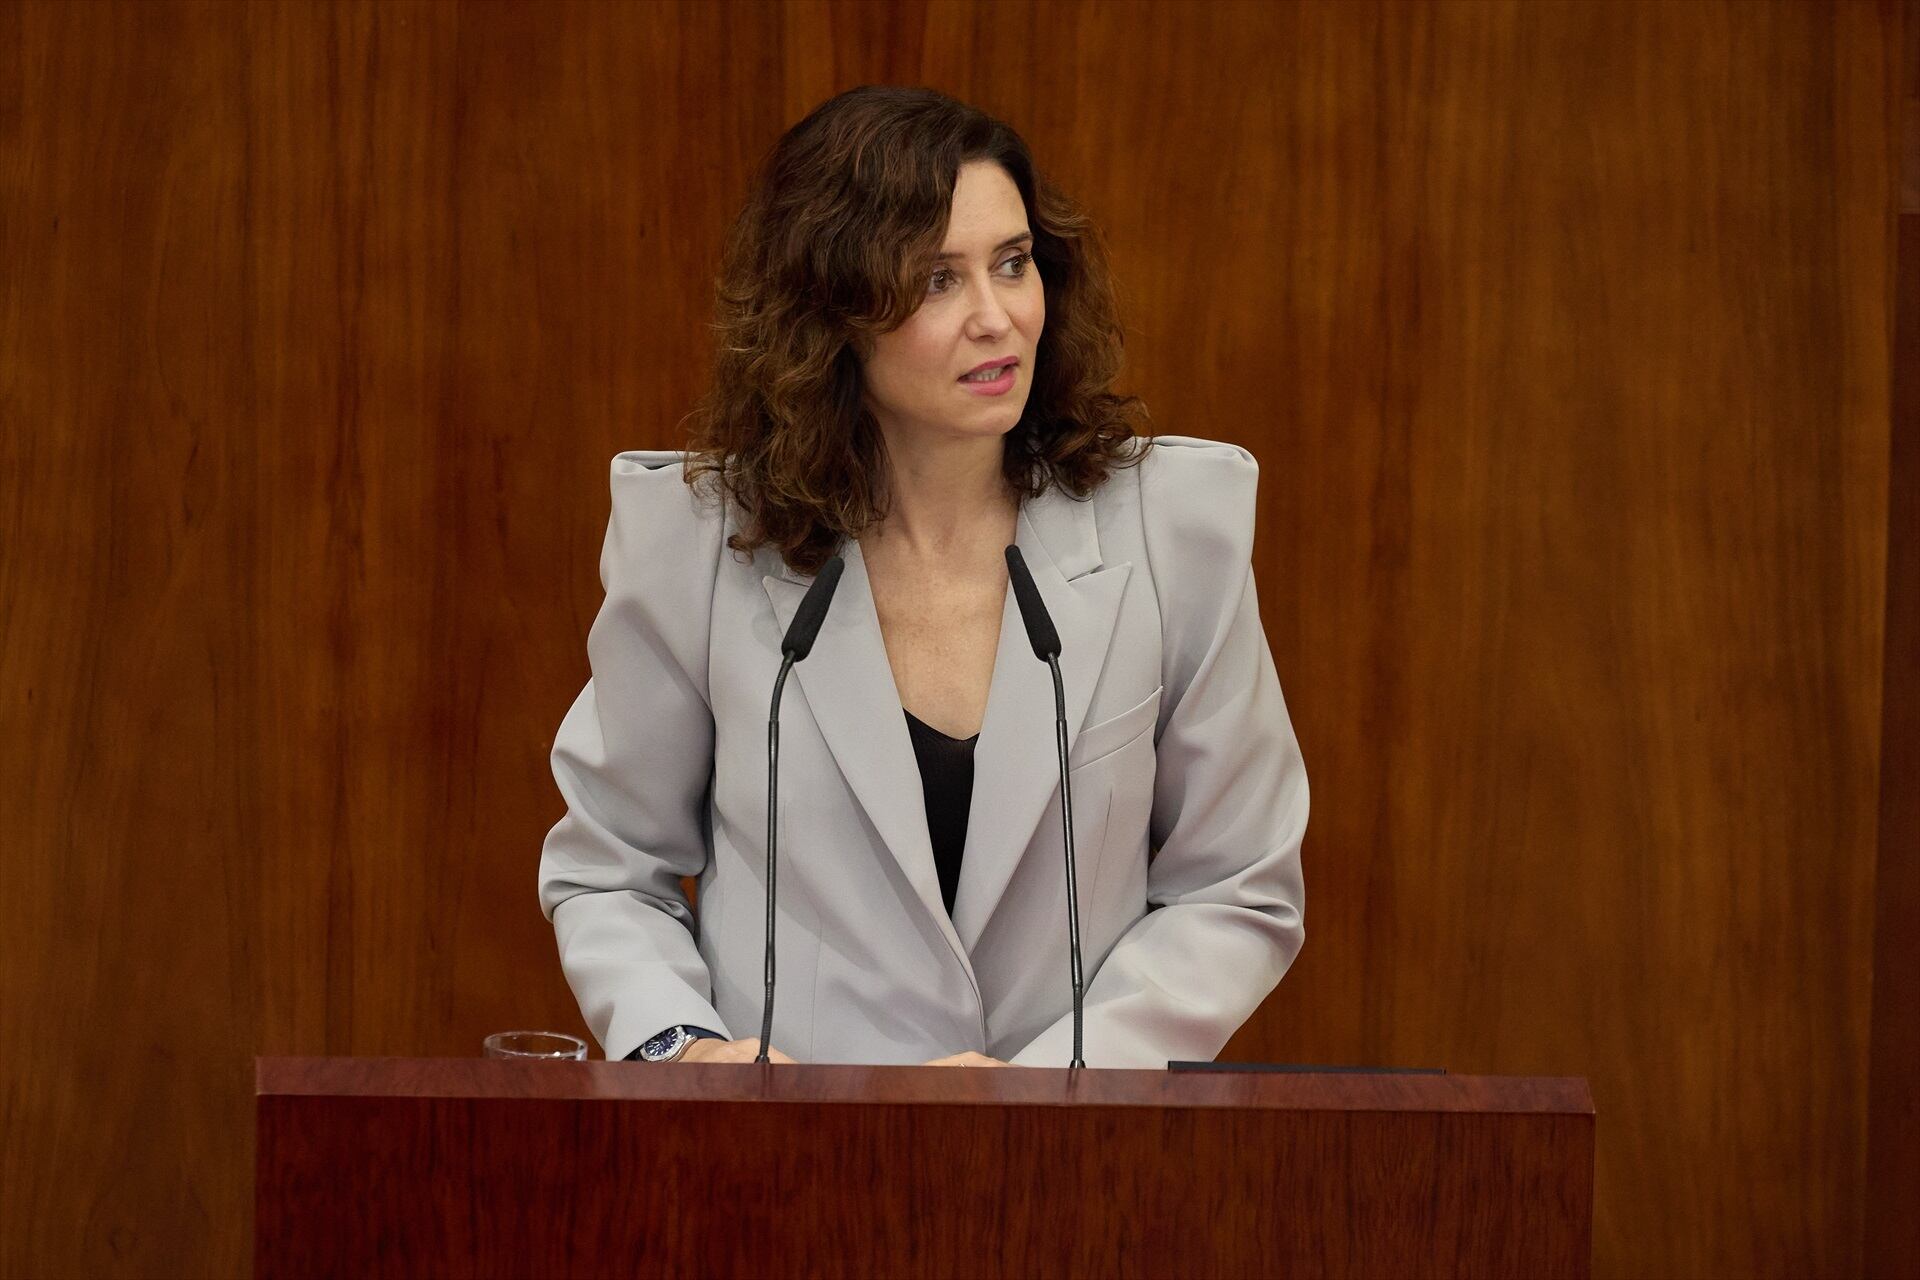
{"type": "Point", "coordinates": [1097, 741]}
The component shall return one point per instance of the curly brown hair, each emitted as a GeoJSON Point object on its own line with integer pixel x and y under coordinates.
{"type": "Point", "coordinates": [828, 251]}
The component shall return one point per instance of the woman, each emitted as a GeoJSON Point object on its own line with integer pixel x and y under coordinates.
{"type": "Point", "coordinates": [918, 338]}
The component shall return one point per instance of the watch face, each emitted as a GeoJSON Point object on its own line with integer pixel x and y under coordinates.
{"type": "Point", "coordinates": [663, 1045]}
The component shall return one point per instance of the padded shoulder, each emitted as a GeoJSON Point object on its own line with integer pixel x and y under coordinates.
{"type": "Point", "coordinates": [1196, 517]}
{"type": "Point", "coordinates": [649, 460]}
{"type": "Point", "coordinates": [1197, 505]}
{"type": "Point", "coordinates": [659, 525]}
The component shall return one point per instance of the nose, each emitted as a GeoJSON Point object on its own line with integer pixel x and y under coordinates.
{"type": "Point", "coordinates": [986, 314]}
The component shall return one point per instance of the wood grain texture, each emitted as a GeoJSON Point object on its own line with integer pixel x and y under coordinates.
{"type": "Point", "coordinates": [1573, 437]}
{"type": "Point", "coordinates": [1891, 1243]}
{"type": "Point", "coordinates": [1561, 331]}
{"type": "Point", "coordinates": [374, 1167]}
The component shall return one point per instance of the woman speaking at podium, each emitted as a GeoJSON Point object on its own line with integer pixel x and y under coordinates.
{"type": "Point", "coordinates": [917, 343]}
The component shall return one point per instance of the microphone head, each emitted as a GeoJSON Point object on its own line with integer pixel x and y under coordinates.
{"type": "Point", "coordinates": [812, 611]}
{"type": "Point", "coordinates": [1033, 612]}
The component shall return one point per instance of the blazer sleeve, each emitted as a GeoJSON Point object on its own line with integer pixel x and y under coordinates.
{"type": "Point", "coordinates": [1226, 903]}
{"type": "Point", "coordinates": [634, 762]}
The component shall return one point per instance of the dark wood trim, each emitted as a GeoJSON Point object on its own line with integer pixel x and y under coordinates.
{"type": "Point", "coordinates": [1891, 1239]}
{"type": "Point", "coordinates": [715, 1082]}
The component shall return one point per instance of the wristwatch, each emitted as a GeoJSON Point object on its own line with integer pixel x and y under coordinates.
{"type": "Point", "coordinates": [668, 1045]}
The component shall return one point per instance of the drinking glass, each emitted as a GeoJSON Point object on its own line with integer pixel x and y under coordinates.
{"type": "Point", "coordinates": [543, 1046]}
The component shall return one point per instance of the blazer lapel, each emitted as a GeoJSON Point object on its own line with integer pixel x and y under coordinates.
{"type": "Point", "coordinates": [1016, 773]}
{"type": "Point", "coordinates": [848, 685]}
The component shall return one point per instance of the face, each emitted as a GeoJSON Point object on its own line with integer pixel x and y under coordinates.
{"type": "Point", "coordinates": [983, 302]}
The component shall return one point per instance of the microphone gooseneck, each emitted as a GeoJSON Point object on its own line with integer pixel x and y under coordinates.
{"type": "Point", "coordinates": [795, 645]}
{"type": "Point", "coordinates": [1046, 647]}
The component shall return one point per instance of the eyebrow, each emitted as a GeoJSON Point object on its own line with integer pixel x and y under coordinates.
{"type": "Point", "coordinates": [1008, 243]}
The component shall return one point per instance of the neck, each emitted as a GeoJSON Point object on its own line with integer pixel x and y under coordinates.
{"type": "Point", "coordinates": [946, 496]}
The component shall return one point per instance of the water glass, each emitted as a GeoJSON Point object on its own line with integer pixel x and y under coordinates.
{"type": "Point", "coordinates": [539, 1046]}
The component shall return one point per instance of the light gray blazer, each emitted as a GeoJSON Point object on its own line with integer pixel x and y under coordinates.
{"type": "Point", "coordinates": [1189, 795]}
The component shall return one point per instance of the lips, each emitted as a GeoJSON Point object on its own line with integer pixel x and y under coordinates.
{"type": "Point", "coordinates": [989, 365]}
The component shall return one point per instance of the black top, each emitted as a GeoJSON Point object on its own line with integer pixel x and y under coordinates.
{"type": "Point", "coordinates": [946, 775]}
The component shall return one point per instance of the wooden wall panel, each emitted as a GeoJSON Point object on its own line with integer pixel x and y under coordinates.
{"type": "Point", "coordinates": [1891, 1241]}
{"type": "Point", "coordinates": [1580, 503]}
{"type": "Point", "coordinates": [1561, 331]}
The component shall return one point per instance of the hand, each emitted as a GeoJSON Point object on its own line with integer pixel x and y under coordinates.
{"type": "Point", "coordinates": [707, 1049]}
{"type": "Point", "coordinates": [967, 1059]}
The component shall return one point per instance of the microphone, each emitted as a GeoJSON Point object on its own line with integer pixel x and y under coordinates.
{"type": "Point", "coordinates": [1046, 647]}
{"type": "Point", "coordinates": [812, 611]}
{"type": "Point", "coordinates": [797, 644]}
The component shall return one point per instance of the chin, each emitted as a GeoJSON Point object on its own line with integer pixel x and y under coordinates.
{"type": "Point", "coordinates": [988, 428]}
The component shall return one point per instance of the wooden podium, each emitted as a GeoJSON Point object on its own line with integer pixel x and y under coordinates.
{"type": "Point", "coordinates": [470, 1167]}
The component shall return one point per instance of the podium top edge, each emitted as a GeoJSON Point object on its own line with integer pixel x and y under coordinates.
{"type": "Point", "coordinates": [376, 1077]}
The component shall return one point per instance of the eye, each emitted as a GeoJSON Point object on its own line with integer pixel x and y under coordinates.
{"type": "Point", "coordinates": [1018, 261]}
